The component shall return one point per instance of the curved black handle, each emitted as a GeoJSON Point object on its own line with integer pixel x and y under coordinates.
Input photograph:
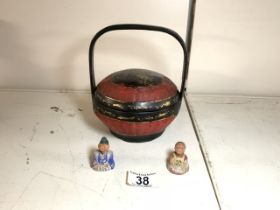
{"type": "Point", "coordinates": [137, 27]}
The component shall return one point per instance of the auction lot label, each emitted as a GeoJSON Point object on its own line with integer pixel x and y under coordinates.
{"type": "Point", "coordinates": [141, 179]}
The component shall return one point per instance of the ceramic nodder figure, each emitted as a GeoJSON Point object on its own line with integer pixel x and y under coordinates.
{"type": "Point", "coordinates": [103, 159]}
{"type": "Point", "coordinates": [177, 162]}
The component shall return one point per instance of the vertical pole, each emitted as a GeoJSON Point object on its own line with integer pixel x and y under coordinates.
{"type": "Point", "coordinates": [192, 4]}
{"type": "Point", "coordinates": [189, 33]}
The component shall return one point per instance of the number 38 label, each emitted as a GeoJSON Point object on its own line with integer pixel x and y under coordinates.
{"type": "Point", "coordinates": [141, 179]}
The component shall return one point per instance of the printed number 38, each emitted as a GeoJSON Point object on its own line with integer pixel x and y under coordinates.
{"type": "Point", "coordinates": [142, 180]}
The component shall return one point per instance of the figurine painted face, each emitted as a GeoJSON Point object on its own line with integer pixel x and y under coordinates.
{"type": "Point", "coordinates": [103, 158]}
{"type": "Point", "coordinates": [180, 148]}
{"type": "Point", "coordinates": [177, 162]}
{"type": "Point", "coordinates": [103, 148]}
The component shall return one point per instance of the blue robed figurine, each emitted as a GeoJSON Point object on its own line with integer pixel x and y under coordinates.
{"type": "Point", "coordinates": [103, 159]}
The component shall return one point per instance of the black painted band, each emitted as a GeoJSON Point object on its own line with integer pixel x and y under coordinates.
{"type": "Point", "coordinates": [136, 116]}
{"type": "Point", "coordinates": [136, 106]}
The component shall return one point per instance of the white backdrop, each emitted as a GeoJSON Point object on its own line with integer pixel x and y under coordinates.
{"type": "Point", "coordinates": [44, 44]}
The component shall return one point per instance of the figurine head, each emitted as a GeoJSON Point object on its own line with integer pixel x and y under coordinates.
{"type": "Point", "coordinates": [180, 148]}
{"type": "Point", "coordinates": [103, 145]}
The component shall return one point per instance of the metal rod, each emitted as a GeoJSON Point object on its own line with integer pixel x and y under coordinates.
{"type": "Point", "coordinates": [189, 33]}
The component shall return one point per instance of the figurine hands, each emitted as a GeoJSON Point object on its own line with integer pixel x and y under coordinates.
{"type": "Point", "coordinates": [101, 167]}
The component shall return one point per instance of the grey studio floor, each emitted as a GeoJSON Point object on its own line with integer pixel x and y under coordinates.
{"type": "Point", "coordinates": [233, 146]}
